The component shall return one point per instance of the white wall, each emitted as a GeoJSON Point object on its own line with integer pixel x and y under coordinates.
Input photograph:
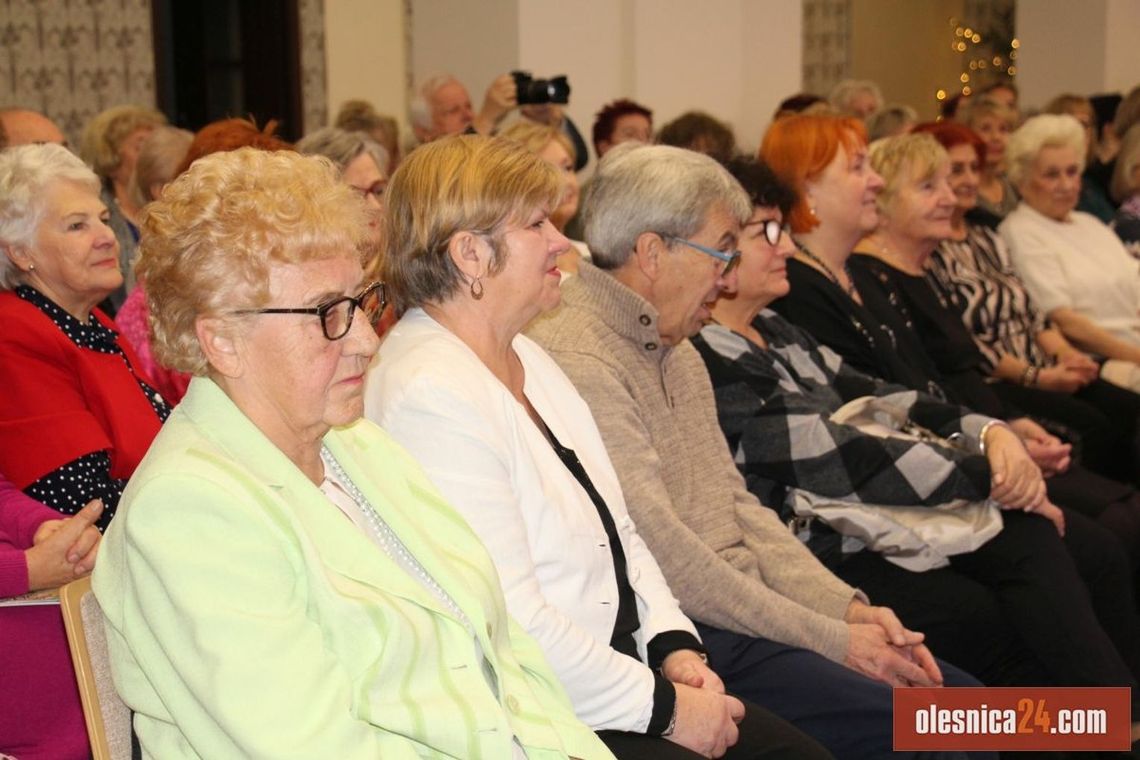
{"type": "Point", "coordinates": [771, 39]}
{"type": "Point", "coordinates": [1084, 47]}
{"type": "Point", "coordinates": [689, 57]}
{"type": "Point", "coordinates": [1122, 46]}
{"type": "Point", "coordinates": [365, 55]}
{"type": "Point", "coordinates": [590, 44]}
{"type": "Point", "coordinates": [735, 59]}
{"type": "Point", "coordinates": [475, 41]}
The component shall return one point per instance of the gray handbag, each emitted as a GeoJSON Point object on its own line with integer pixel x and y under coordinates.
{"type": "Point", "coordinates": [914, 538]}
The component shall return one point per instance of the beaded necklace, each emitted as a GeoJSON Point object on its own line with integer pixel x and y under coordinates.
{"type": "Point", "coordinates": [390, 542]}
{"type": "Point", "coordinates": [827, 270]}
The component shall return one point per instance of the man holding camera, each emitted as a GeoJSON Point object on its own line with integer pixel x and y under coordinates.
{"type": "Point", "coordinates": [442, 106]}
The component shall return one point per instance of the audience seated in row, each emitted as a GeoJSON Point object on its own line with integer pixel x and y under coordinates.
{"type": "Point", "coordinates": [641, 385]}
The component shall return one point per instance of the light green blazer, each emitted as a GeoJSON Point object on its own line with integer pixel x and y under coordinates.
{"type": "Point", "coordinates": [248, 617]}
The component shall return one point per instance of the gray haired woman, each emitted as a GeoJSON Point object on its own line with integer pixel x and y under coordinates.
{"type": "Point", "coordinates": [363, 165]}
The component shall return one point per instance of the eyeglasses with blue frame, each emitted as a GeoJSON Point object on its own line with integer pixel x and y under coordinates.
{"type": "Point", "coordinates": [336, 315]}
{"type": "Point", "coordinates": [731, 259]}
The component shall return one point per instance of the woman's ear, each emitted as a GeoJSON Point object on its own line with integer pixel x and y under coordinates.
{"type": "Point", "coordinates": [18, 255]}
{"type": "Point", "coordinates": [470, 253]}
{"type": "Point", "coordinates": [220, 344]}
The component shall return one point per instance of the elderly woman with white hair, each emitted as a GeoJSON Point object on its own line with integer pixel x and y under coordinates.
{"type": "Point", "coordinates": [1073, 265]}
{"type": "Point", "coordinates": [77, 413]}
{"type": "Point", "coordinates": [283, 580]}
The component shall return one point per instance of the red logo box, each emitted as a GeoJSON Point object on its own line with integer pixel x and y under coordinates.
{"type": "Point", "coordinates": [1013, 718]}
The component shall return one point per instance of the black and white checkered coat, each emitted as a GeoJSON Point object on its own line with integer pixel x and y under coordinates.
{"type": "Point", "coordinates": [775, 408]}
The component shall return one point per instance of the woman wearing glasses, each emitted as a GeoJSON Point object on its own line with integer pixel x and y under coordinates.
{"type": "Point", "coordinates": [283, 580]}
{"type": "Point", "coordinates": [363, 166]}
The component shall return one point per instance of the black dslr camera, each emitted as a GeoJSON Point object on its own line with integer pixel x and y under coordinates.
{"type": "Point", "coordinates": [533, 91]}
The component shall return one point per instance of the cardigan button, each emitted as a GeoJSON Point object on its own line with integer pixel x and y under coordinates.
{"type": "Point", "coordinates": [645, 319]}
{"type": "Point", "coordinates": [512, 704]}
{"type": "Point", "coordinates": [650, 346]}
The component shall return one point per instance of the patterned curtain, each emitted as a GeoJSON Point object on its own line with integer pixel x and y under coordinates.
{"type": "Point", "coordinates": [827, 30]}
{"type": "Point", "coordinates": [70, 59]}
{"type": "Point", "coordinates": [314, 92]}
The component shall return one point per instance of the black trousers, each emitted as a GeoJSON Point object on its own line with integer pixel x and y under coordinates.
{"type": "Point", "coordinates": [1112, 504]}
{"type": "Point", "coordinates": [762, 735]}
{"type": "Point", "coordinates": [1025, 609]}
{"type": "Point", "coordinates": [1104, 417]}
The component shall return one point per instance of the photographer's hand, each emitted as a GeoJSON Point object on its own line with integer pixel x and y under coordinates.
{"type": "Point", "coordinates": [501, 97]}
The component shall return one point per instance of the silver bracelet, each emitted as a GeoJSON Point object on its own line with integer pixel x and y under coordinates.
{"type": "Point", "coordinates": [669, 729]}
{"type": "Point", "coordinates": [985, 430]}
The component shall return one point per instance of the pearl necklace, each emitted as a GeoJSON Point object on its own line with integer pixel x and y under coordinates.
{"type": "Point", "coordinates": [388, 539]}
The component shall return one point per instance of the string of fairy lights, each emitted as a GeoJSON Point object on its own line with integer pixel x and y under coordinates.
{"type": "Point", "coordinates": [983, 61]}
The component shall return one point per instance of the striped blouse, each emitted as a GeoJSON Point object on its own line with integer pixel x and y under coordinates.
{"type": "Point", "coordinates": [978, 277]}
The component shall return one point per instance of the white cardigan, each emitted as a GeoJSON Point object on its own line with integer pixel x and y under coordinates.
{"type": "Point", "coordinates": [482, 450]}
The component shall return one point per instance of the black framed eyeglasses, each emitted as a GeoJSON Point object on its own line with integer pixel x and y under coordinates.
{"type": "Point", "coordinates": [336, 315]}
{"type": "Point", "coordinates": [730, 258]}
{"type": "Point", "coordinates": [772, 230]}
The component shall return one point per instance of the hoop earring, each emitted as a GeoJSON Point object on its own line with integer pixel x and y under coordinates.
{"type": "Point", "coordinates": [477, 288]}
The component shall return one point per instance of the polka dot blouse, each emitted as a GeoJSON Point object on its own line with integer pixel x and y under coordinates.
{"type": "Point", "coordinates": [69, 487]}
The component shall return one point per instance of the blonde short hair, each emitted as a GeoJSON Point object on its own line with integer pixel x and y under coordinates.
{"type": "Point", "coordinates": [159, 158]}
{"type": "Point", "coordinates": [208, 243]}
{"type": "Point", "coordinates": [103, 136]}
{"type": "Point", "coordinates": [361, 116]}
{"type": "Point", "coordinates": [1127, 113]}
{"type": "Point", "coordinates": [1038, 133]}
{"type": "Point", "coordinates": [1124, 186]}
{"type": "Point", "coordinates": [902, 158]}
{"type": "Point", "coordinates": [455, 184]}
{"type": "Point", "coordinates": [535, 137]}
